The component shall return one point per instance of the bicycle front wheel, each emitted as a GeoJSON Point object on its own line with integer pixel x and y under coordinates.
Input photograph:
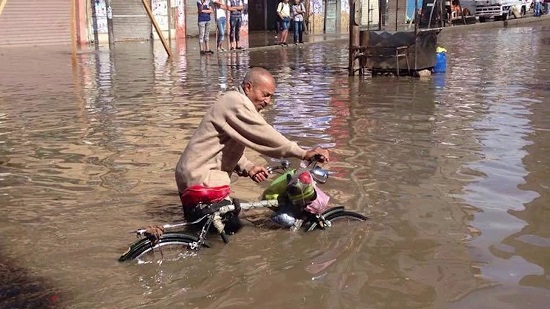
{"type": "Point", "coordinates": [337, 215]}
{"type": "Point", "coordinates": [171, 246]}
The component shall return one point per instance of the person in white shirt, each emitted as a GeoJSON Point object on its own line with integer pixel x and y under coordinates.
{"type": "Point", "coordinates": [221, 22]}
{"type": "Point", "coordinates": [283, 10]}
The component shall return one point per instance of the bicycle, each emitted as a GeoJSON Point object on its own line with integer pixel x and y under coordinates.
{"type": "Point", "coordinates": [154, 239]}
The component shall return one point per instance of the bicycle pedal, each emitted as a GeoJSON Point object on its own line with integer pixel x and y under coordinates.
{"type": "Point", "coordinates": [297, 225]}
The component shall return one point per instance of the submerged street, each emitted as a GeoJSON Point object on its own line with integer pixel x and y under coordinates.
{"type": "Point", "coordinates": [452, 170]}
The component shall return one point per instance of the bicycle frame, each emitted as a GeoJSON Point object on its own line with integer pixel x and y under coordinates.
{"type": "Point", "coordinates": [154, 237]}
{"type": "Point", "coordinates": [215, 218]}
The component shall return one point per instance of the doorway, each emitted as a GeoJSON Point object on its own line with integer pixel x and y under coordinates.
{"type": "Point", "coordinates": [332, 16]}
{"type": "Point", "coordinates": [262, 15]}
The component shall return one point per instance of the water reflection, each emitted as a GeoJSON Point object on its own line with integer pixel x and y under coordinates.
{"type": "Point", "coordinates": [502, 134]}
{"type": "Point", "coordinates": [452, 171]}
{"type": "Point", "coordinates": [508, 189]}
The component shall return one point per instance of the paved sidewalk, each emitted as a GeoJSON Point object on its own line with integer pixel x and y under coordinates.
{"type": "Point", "coordinates": [268, 39]}
{"type": "Point", "coordinates": [265, 40]}
{"type": "Point", "coordinates": [259, 40]}
{"type": "Point", "coordinates": [511, 22]}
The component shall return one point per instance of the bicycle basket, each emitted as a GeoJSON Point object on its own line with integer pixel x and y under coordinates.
{"type": "Point", "coordinates": [301, 188]}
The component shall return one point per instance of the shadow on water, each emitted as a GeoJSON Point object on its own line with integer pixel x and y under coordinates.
{"type": "Point", "coordinates": [20, 289]}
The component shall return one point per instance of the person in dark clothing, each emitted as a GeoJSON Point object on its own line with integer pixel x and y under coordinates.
{"type": "Point", "coordinates": [235, 8]}
{"type": "Point", "coordinates": [298, 11]}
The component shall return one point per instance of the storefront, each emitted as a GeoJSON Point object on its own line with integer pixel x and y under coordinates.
{"type": "Point", "coordinates": [45, 22]}
{"type": "Point", "coordinates": [333, 19]}
{"type": "Point", "coordinates": [58, 22]}
{"type": "Point", "coordinates": [131, 22]}
{"type": "Point", "coordinates": [54, 22]}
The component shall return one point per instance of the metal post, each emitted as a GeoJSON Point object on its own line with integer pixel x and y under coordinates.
{"type": "Point", "coordinates": [396, 10]}
{"type": "Point", "coordinates": [443, 12]}
{"type": "Point", "coordinates": [381, 16]}
{"type": "Point", "coordinates": [338, 17]}
{"type": "Point", "coordinates": [461, 12]}
{"type": "Point", "coordinates": [94, 24]}
{"type": "Point", "coordinates": [266, 26]}
{"type": "Point", "coordinates": [351, 62]}
{"type": "Point", "coordinates": [415, 16]}
{"type": "Point", "coordinates": [354, 40]}
{"type": "Point", "coordinates": [325, 17]}
{"type": "Point", "coordinates": [368, 15]}
{"type": "Point", "coordinates": [73, 28]}
{"type": "Point", "coordinates": [110, 23]}
{"type": "Point", "coordinates": [169, 13]}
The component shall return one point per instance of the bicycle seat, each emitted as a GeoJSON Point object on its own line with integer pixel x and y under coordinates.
{"type": "Point", "coordinates": [199, 194]}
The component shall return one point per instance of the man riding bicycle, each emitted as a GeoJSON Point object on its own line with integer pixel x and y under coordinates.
{"type": "Point", "coordinates": [216, 149]}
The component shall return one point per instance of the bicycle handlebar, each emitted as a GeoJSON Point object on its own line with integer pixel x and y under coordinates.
{"type": "Point", "coordinates": [317, 158]}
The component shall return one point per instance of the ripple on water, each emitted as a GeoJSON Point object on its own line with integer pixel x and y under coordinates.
{"type": "Point", "coordinates": [87, 153]}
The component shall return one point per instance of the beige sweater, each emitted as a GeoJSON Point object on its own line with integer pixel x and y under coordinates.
{"type": "Point", "coordinates": [216, 149]}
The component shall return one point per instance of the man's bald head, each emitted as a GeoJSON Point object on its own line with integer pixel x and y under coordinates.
{"type": "Point", "coordinates": [258, 75]}
{"type": "Point", "coordinates": [259, 86]}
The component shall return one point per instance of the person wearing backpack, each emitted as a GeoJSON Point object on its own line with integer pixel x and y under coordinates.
{"type": "Point", "coordinates": [298, 11]}
{"type": "Point", "coordinates": [283, 10]}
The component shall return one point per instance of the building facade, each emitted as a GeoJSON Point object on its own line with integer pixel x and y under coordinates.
{"type": "Point", "coordinates": [51, 22]}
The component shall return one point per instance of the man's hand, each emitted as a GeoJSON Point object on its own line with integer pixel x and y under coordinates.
{"type": "Point", "coordinates": [153, 233]}
{"type": "Point", "coordinates": [321, 153]}
{"type": "Point", "coordinates": [258, 173]}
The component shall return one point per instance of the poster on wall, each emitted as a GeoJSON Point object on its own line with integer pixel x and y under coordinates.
{"type": "Point", "coordinates": [317, 6]}
{"type": "Point", "coordinates": [160, 11]}
{"type": "Point", "coordinates": [101, 16]}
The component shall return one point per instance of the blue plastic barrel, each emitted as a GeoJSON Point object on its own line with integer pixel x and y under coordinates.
{"type": "Point", "coordinates": [440, 62]}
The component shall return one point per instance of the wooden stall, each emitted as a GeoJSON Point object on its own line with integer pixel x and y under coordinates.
{"type": "Point", "coordinates": [390, 46]}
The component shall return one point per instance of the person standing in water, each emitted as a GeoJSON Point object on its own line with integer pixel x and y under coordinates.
{"type": "Point", "coordinates": [204, 9]}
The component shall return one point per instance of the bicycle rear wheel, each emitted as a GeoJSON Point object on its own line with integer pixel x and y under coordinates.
{"type": "Point", "coordinates": [171, 246]}
{"type": "Point", "coordinates": [339, 216]}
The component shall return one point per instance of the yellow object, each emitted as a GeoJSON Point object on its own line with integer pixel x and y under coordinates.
{"type": "Point", "coordinates": [440, 49]}
{"type": "Point", "coordinates": [2, 4]}
{"type": "Point", "coordinates": [277, 186]}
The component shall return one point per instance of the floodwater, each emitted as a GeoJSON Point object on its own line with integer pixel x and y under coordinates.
{"type": "Point", "coordinates": [452, 170]}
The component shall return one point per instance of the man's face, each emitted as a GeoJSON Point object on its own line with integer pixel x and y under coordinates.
{"type": "Point", "coordinates": [260, 93]}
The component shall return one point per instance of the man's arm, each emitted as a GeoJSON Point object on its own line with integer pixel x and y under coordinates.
{"type": "Point", "coordinates": [235, 8]}
{"type": "Point", "coordinates": [246, 167]}
{"type": "Point", "coordinates": [220, 4]}
{"type": "Point", "coordinates": [243, 166]}
{"type": "Point", "coordinates": [200, 5]}
{"type": "Point", "coordinates": [245, 125]}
